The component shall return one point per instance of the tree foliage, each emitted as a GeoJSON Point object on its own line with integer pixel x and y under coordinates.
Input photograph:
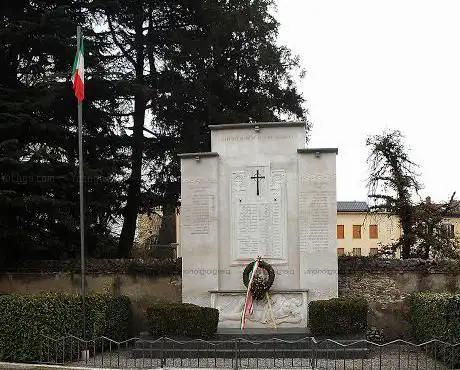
{"type": "Point", "coordinates": [393, 187]}
{"type": "Point", "coordinates": [393, 182]}
{"type": "Point", "coordinates": [436, 238]}
{"type": "Point", "coordinates": [157, 73]}
{"type": "Point", "coordinates": [39, 212]}
{"type": "Point", "coordinates": [185, 65]}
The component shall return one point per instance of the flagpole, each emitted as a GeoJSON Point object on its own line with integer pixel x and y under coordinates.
{"type": "Point", "coordinates": [82, 213]}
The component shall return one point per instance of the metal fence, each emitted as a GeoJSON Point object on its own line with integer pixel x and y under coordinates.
{"type": "Point", "coordinates": [239, 353]}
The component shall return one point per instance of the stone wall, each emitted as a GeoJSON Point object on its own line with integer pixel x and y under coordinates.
{"type": "Point", "coordinates": [147, 267]}
{"type": "Point", "coordinates": [386, 284]}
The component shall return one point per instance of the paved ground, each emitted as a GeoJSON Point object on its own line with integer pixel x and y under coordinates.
{"type": "Point", "coordinates": [389, 359]}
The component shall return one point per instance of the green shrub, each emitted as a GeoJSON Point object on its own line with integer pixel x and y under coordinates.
{"type": "Point", "coordinates": [338, 316]}
{"type": "Point", "coordinates": [428, 321]}
{"type": "Point", "coordinates": [437, 316]}
{"type": "Point", "coordinates": [182, 319]}
{"type": "Point", "coordinates": [25, 318]}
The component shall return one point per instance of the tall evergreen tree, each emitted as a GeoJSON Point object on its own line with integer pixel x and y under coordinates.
{"type": "Point", "coordinates": [191, 63]}
{"type": "Point", "coordinates": [39, 211]}
{"type": "Point", "coordinates": [157, 74]}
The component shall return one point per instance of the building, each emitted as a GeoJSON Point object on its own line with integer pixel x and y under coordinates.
{"type": "Point", "coordinates": [148, 226]}
{"type": "Point", "coordinates": [148, 237]}
{"type": "Point", "coordinates": [361, 233]}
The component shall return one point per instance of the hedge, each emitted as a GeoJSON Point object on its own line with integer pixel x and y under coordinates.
{"type": "Point", "coordinates": [338, 316]}
{"type": "Point", "coordinates": [372, 264]}
{"type": "Point", "coordinates": [101, 266]}
{"type": "Point", "coordinates": [182, 319]}
{"type": "Point", "coordinates": [437, 316]}
{"type": "Point", "coordinates": [24, 319]}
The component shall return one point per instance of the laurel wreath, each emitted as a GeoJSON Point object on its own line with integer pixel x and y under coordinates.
{"type": "Point", "coordinates": [260, 285]}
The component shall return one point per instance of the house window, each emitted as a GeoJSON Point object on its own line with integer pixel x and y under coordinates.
{"type": "Point", "coordinates": [448, 229]}
{"type": "Point", "coordinates": [356, 231]}
{"type": "Point", "coordinates": [373, 232]}
{"type": "Point", "coordinates": [357, 252]}
{"type": "Point", "coordinates": [373, 251]}
{"type": "Point", "coordinates": [340, 232]}
{"type": "Point", "coordinates": [340, 251]}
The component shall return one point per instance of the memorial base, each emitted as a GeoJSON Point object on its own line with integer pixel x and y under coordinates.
{"type": "Point", "coordinates": [289, 307]}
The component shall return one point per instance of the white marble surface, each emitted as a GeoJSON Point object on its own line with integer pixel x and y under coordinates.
{"type": "Point", "coordinates": [317, 217]}
{"type": "Point", "coordinates": [289, 218]}
{"type": "Point", "coordinates": [199, 229]}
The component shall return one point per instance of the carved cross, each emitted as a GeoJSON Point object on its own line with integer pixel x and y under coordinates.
{"type": "Point", "coordinates": [257, 177]}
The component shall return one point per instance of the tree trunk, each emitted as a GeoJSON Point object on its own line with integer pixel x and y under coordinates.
{"type": "Point", "coordinates": [134, 187]}
{"type": "Point", "coordinates": [405, 247]}
{"type": "Point", "coordinates": [130, 212]}
{"type": "Point", "coordinates": [408, 237]}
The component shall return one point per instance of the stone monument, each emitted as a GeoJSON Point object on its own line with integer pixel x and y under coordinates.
{"type": "Point", "coordinates": [259, 192]}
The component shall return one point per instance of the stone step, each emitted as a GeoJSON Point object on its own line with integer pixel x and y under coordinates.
{"type": "Point", "coordinates": [306, 353]}
{"type": "Point", "coordinates": [228, 334]}
{"type": "Point", "coordinates": [305, 347]}
{"type": "Point", "coordinates": [262, 333]}
{"type": "Point", "coordinates": [245, 342]}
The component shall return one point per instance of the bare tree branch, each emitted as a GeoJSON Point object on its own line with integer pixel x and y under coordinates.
{"type": "Point", "coordinates": [145, 129]}
{"type": "Point", "coordinates": [393, 180]}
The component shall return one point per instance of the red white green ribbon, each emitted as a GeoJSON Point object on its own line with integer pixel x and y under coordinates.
{"type": "Point", "coordinates": [248, 304]}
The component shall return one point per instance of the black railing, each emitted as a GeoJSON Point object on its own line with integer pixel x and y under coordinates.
{"type": "Point", "coordinates": [239, 353]}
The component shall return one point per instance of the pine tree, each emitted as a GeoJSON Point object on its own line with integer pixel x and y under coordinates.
{"type": "Point", "coordinates": [39, 209]}
{"type": "Point", "coordinates": [192, 63]}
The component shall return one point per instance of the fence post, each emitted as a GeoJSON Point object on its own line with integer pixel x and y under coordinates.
{"type": "Point", "coordinates": [236, 354]}
{"type": "Point", "coordinates": [313, 354]}
{"type": "Point", "coordinates": [163, 360]}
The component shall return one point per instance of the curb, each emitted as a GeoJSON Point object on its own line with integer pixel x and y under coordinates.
{"type": "Point", "coordinates": [12, 365]}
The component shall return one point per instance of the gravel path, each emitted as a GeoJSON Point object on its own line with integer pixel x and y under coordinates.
{"type": "Point", "coordinates": [388, 358]}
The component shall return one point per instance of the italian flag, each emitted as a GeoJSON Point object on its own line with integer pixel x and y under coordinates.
{"type": "Point", "coordinates": [78, 74]}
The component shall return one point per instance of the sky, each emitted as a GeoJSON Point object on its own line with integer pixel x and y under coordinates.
{"type": "Point", "coordinates": [375, 65]}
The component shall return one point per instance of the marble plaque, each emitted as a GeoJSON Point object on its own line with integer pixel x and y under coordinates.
{"type": "Point", "coordinates": [314, 212]}
{"type": "Point", "coordinates": [197, 207]}
{"type": "Point", "coordinates": [259, 213]}
{"type": "Point", "coordinates": [317, 226]}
